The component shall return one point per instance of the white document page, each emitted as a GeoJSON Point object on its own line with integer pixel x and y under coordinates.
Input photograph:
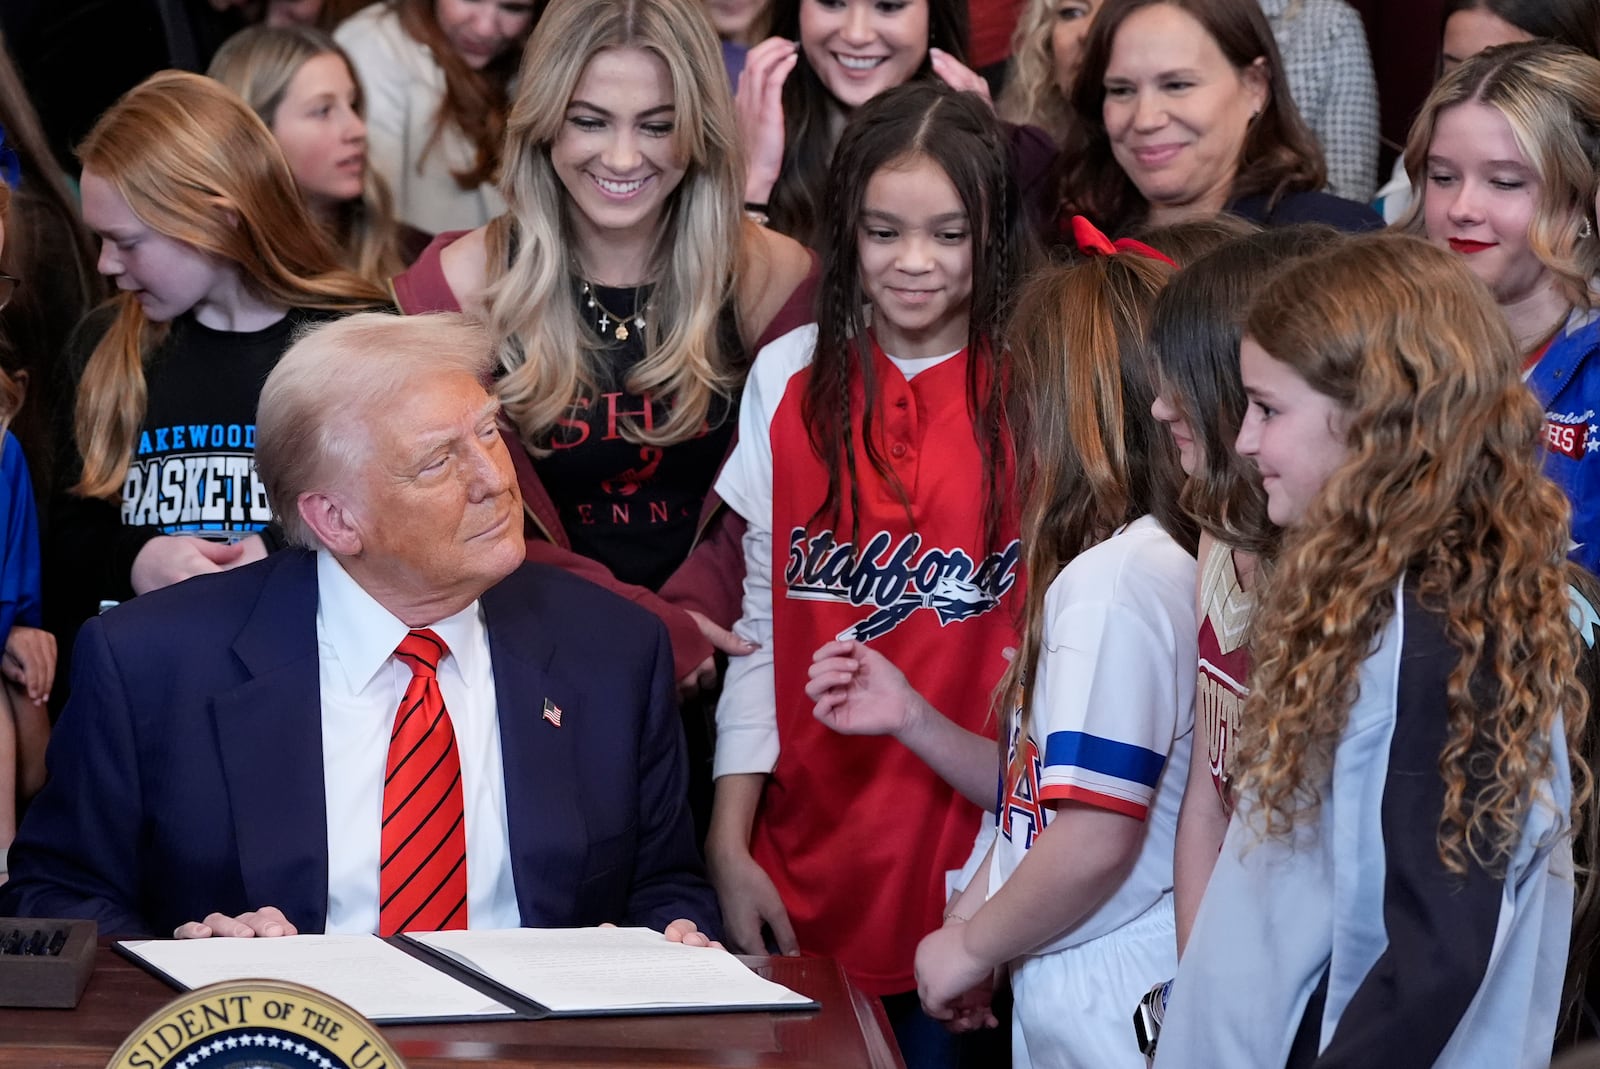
{"type": "Point", "coordinates": [576, 970]}
{"type": "Point", "coordinates": [375, 979]}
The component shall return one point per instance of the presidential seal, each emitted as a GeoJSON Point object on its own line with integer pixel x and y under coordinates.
{"type": "Point", "coordinates": [255, 1024]}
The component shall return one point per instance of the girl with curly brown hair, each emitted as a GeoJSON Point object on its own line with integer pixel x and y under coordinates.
{"type": "Point", "coordinates": [1396, 885]}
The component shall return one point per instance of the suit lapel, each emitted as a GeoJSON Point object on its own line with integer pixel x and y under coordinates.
{"type": "Point", "coordinates": [270, 736]}
{"type": "Point", "coordinates": [543, 818]}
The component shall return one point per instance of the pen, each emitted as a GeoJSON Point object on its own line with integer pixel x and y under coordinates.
{"type": "Point", "coordinates": [36, 944]}
{"type": "Point", "coordinates": [57, 941]}
{"type": "Point", "coordinates": [13, 942]}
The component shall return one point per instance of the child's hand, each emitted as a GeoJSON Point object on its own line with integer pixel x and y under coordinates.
{"type": "Point", "coordinates": [759, 105]}
{"type": "Point", "coordinates": [30, 661]}
{"type": "Point", "coordinates": [974, 1009]}
{"type": "Point", "coordinates": [169, 559]}
{"type": "Point", "coordinates": [749, 900]}
{"type": "Point", "coordinates": [946, 973]}
{"type": "Point", "coordinates": [859, 691]}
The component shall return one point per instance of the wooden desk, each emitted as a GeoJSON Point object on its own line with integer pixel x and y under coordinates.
{"type": "Point", "coordinates": [849, 1032]}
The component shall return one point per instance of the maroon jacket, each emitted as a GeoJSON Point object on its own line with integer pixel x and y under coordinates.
{"type": "Point", "coordinates": [711, 580]}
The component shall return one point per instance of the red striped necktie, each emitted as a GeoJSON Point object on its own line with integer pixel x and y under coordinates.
{"type": "Point", "coordinates": [422, 877]}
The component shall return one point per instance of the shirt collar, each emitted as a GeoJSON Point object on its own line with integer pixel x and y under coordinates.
{"type": "Point", "coordinates": [1579, 319]}
{"type": "Point", "coordinates": [364, 634]}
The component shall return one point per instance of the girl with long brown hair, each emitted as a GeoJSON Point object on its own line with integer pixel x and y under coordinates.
{"type": "Point", "coordinates": [216, 263]}
{"type": "Point", "coordinates": [1396, 884]}
{"type": "Point", "coordinates": [436, 75]}
{"type": "Point", "coordinates": [304, 88]}
{"type": "Point", "coordinates": [825, 59]}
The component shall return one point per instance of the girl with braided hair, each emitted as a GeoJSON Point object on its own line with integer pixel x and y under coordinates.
{"type": "Point", "coordinates": [874, 474]}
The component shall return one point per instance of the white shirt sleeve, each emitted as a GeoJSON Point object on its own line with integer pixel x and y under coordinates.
{"type": "Point", "coordinates": [1116, 675]}
{"type": "Point", "coordinates": [747, 712]}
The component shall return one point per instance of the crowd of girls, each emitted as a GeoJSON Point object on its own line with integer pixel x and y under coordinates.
{"type": "Point", "coordinates": [1090, 570]}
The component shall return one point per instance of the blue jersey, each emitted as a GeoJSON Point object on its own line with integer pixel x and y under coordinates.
{"type": "Point", "coordinates": [1567, 382]}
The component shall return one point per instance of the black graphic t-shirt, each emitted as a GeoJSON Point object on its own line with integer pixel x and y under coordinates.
{"type": "Point", "coordinates": [193, 465]}
{"type": "Point", "coordinates": [194, 468]}
{"type": "Point", "coordinates": [632, 507]}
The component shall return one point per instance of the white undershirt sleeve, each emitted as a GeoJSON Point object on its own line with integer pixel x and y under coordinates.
{"type": "Point", "coordinates": [747, 712]}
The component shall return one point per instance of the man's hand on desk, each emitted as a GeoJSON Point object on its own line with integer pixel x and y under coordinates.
{"type": "Point", "coordinates": [683, 931]}
{"type": "Point", "coordinates": [686, 932]}
{"type": "Point", "coordinates": [268, 921]}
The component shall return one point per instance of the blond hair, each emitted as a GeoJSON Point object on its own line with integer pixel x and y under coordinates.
{"type": "Point", "coordinates": [1442, 487]}
{"type": "Point", "coordinates": [1550, 97]}
{"type": "Point", "coordinates": [1031, 95]}
{"type": "Point", "coordinates": [258, 63]}
{"type": "Point", "coordinates": [196, 165]}
{"type": "Point", "coordinates": [546, 351]}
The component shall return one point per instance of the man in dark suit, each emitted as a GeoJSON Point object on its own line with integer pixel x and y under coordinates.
{"type": "Point", "coordinates": [405, 727]}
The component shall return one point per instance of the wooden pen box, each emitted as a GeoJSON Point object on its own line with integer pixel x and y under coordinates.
{"type": "Point", "coordinates": [45, 979]}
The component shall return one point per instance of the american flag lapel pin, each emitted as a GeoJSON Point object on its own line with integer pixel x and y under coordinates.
{"type": "Point", "coordinates": [552, 713]}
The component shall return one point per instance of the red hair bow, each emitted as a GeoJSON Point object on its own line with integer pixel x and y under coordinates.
{"type": "Point", "coordinates": [1093, 241]}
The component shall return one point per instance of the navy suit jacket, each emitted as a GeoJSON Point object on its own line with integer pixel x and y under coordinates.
{"type": "Point", "coordinates": [186, 771]}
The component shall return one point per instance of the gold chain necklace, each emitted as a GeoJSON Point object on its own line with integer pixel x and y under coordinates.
{"type": "Point", "coordinates": [606, 316]}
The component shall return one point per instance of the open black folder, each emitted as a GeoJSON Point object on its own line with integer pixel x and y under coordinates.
{"type": "Point", "coordinates": [515, 974]}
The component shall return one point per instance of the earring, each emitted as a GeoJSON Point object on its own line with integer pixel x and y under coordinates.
{"type": "Point", "coordinates": [1586, 230]}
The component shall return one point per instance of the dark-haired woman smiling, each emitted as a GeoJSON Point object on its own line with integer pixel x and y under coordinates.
{"type": "Point", "coordinates": [825, 59]}
{"type": "Point", "coordinates": [1184, 113]}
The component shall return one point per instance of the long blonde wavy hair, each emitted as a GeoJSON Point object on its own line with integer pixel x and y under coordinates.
{"type": "Point", "coordinates": [258, 63]}
{"type": "Point", "coordinates": [197, 165]}
{"type": "Point", "coordinates": [1442, 485]}
{"type": "Point", "coordinates": [1550, 96]}
{"type": "Point", "coordinates": [1031, 95]}
{"type": "Point", "coordinates": [545, 349]}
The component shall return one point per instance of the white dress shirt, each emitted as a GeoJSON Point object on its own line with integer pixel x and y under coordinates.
{"type": "Point", "coordinates": [362, 684]}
